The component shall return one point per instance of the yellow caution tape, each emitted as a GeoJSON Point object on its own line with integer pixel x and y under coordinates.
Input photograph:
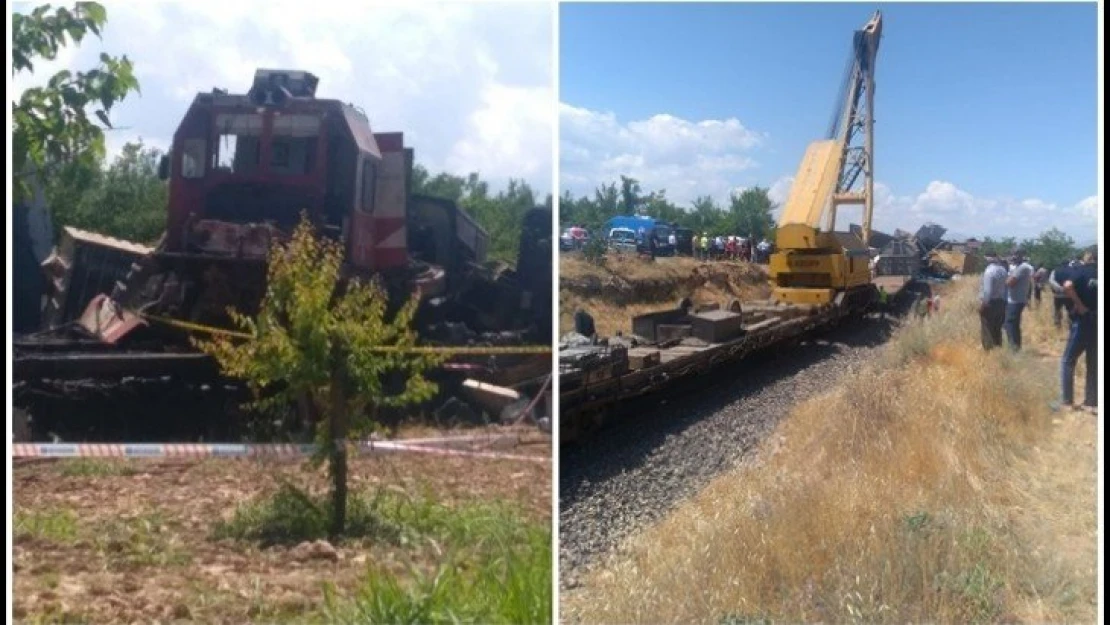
{"type": "Point", "coordinates": [418, 349]}
{"type": "Point", "coordinates": [196, 327]}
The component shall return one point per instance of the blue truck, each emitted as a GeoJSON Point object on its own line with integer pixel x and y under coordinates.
{"type": "Point", "coordinates": [643, 226]}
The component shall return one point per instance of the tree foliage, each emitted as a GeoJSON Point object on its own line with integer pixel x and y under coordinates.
{"type": "Point", "coordinates": [52, 124]}
{"type": "Point", "coordinates": [749, 212]}
{"type": "Point", "coordinates": [126, 199]}
{"type": "Point", "coordinates": [1050, 248]}
{"type": "Point", "coordinates": [327, 345]}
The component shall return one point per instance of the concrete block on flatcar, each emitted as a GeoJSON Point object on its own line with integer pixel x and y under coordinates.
{"type": "Point", "coordinates": [669, 332]}
{"type": "Point", "coordinates": [717, 326]}
{"type": "Point", "coordinates": [642, 358]}
{"type": "Point", "coordinates": [646, 325]}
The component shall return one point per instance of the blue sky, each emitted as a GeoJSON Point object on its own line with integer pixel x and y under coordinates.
{"type": "Point", "coordinates": [985, 114]}
{"type": "Point", "coordinates": [470, 85]}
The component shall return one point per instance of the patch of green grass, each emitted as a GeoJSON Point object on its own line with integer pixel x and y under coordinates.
{"type": "Point", "coordinates": [916, 522]}
{"type": "Point", "coordinates": [470, 524]}
{"type": "Point", "coordinates": [493, 565]}
{"type": "Point", "coordinates": [58, 526]}
{"type": "Point", "coordinates": [50, 580]}
{"type": "Point", "coordinates": [144, 540]}
{"type": "Point", "coordinates": [979, 586]}
{"type": "Point", "coordinates": [290, 516]}
{"type": "Point", "coordinates": [88, 467]}
{"type": "Point", "coordinates": [496, 580]}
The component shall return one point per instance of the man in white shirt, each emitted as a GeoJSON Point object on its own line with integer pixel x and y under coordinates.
{"type": "Point", "coordinates": [1019, 284]}
{"type": "Point", "coordinates": [992, 303]}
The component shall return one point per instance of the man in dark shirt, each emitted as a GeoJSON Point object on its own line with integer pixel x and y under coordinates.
{"type": "Point", "coordinates": [1080, 285]}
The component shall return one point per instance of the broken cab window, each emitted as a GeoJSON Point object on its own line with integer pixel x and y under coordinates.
{"type": "Point", "coordinates": [238, 148]}
{"type": "Point", "coordinates": [369, 184]}
{"type": "Point", "coordinates": [193, 156]}
{"type": "Point", "coordinates": [295, 139]}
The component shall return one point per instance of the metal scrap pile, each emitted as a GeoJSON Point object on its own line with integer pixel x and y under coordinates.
{"type": "Point", "coordinates": [925, 252]}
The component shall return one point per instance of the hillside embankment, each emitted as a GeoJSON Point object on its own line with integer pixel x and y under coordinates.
{"type": "Point", "coordinates": [623, 287]}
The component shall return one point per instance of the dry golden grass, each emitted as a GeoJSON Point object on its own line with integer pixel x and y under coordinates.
{"type": "Point", "coordinates": [626, 286]}
{"type": "Point", "coordinates": [628, 266]}
{"type": "Point", "coordinates": [937, 486]}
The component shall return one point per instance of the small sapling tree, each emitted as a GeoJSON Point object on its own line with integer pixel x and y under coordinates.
{"type": "Point", "coordinates": [326, 344]}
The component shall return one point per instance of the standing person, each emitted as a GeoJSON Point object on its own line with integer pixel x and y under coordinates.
{"type": "Point", "coordinates": [1039, 278]}
{"type": "Point", "coordinates": [672, 241]}
{"type": "Point", "coordinates": [651, 244]}
{"type": "Point", "coordinates": [1018, 286]}
{"type": "Point", "coordinates": [992, 302]}
{"type": "Point", "coordinates": [1080, 285]}
{"type": "Point", "coordinates": [884, 301]}
{"type": "Point", "coordinates": [1060, 301]}
{"type": "Point", "coordinates": [920, 306]}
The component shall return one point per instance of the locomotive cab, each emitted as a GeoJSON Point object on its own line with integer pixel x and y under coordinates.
{"type": "Point", "coordinates": [244, 167]}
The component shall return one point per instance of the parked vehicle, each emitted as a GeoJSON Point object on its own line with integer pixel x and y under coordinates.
{"type": "Point", "coordinates": [573, 238]}
{"type": "Point", "coordinates": [643, 226]}
{"type": "Point", "coordinates": [684, 241]}
{"type": "Point", "coordinates": [623, 239]}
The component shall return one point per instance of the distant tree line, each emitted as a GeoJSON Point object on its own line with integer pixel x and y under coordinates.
{"type": "Point", "coordinates": [747, 213]}
{"type": "Point", "coordinates": [1049, 249]}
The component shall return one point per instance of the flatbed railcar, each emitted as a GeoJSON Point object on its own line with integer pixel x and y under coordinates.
{"type": "Point", "coordinates": [674, 346]}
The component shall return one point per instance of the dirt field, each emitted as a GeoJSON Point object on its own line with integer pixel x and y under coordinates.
{"type": "Point", "coordinates": [627, 286]}
{"type": "Point", "coordinates": [132, 540]}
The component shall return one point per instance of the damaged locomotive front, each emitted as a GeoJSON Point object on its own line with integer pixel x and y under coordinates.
{"type": "Point", "coordinates": [241, 172]}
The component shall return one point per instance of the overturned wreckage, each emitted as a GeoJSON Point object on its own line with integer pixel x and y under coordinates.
{"type": "Point", "coordinates": [241, 171]}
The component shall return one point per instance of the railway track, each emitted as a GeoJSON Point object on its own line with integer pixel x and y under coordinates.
{"type": "Point", "coordinates": [664, 449]}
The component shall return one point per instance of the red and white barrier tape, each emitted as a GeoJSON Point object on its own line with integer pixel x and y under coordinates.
{"type": "Point", "coordinates": [245, 450]}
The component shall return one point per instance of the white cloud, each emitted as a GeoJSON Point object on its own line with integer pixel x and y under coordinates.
{"type": "Point", "coordinates": [469, 85]}
{"type": "Point", "coordinates": [505, 134]}
{"type": "Point", "coordinates": [711, 157]}
{"type": "Point", "coordinates": [961, 211]}
{"type": "Point", "coordinates": [687, 158]}
{"type": "Point", "coordinates": [780, 189]}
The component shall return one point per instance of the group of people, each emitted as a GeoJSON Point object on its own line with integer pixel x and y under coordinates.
{"type": "Point", "coordinates": [1006, 290]}
{"type": "Point", "coordinates": [730, 248]}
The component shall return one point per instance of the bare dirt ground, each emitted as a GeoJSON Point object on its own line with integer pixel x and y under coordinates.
{"type": "Point", "coordinates": [131, 540]}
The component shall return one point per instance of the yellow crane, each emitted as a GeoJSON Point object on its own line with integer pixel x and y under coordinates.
{"type": "Point", "coordinates": [814, 263]}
